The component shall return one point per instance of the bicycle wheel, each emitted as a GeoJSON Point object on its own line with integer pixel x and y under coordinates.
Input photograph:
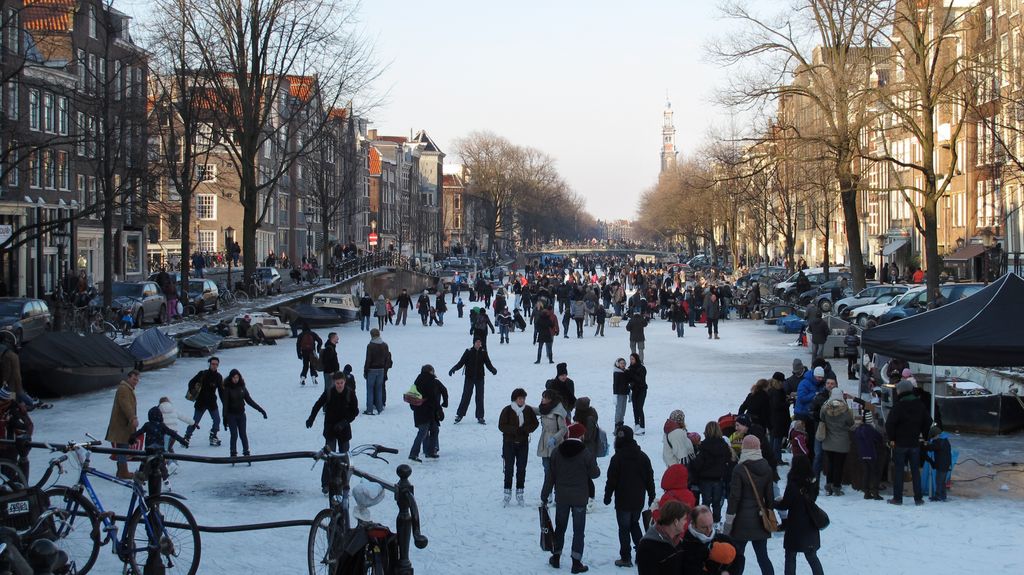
{"type": "Point", "coordinates": [175, 534]}
{"type": "Point", "coordinates": [11, 476]}
{"type": "Point", "coordinates": [320, 555]}
{"type": "Point", "coordinates": [8, 337]}
{"type": "Point", "coordinates": [242, 297]}
{"type": "Point", "coordinates": [77, 529]}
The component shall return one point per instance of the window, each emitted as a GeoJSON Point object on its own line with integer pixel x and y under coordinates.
{"type": "Point", "coordinates": [12, 99]}
{"type": "Point", "coordinates": [128, 81]}
{"type": "Point", "coordinates": [206, 172]}
{"type": "Point", "coordinates": [83, 191]}
{"type": "Point", "coordinates": [63, 175]}
{"type": "Point", "coordinates": [101, 73]}
{"type": "Point", "coordinates": [207, 241]}
{"type": "Point", "coordinates": [92, 21]}
{"type": "Point", "coordinates": [12, 165]}
{"type": "Point", "coordinates": [90, 78]}
{"type": "Point", "coordinates": [34, 172]}
{"type": "Point", "coordinates": [206, 207]}
{"type": "Point", "coordinates": [49, 170]}
{"type": "Point", "coordinates": [117, 79]}
{"type": "Point", "coordinates": [989, 22]}
{"type": "Point", "coordinates": [82, 72]}
{"type": "Point", "coordinates": [91, 134]}
{"type": "Point", "coordinates": [83, 134]}
{"type": "Point", "coordinates": [174, 226]}
{"type": "Point", "coordinates": [13, 29]}
{"type": "Point", "coordinates": [62, 115]}
{"type": "Point", "coordinates": [33, 109]}
{"type": "Point", "coordinates": [48, 113]}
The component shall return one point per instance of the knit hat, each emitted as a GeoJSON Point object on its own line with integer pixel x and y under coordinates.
{"type": "Point", "coordinates": [624, 432]}
{"type": "Point", "coordinates": [906, 372]}
{"type": "Point", "coordinates": [677, 416]}
{"type": "Point", "coordinates": [798, 366]}
{"type": "Point", "coordinates": [836, 393]}
{"type": "Point", "coordinates": [779, 376]}
{"type": "Point", "coordinates": [819, 371]}
{"type": "Point", "coordinates": [722, 553]}
{"type": "Point", "coordinates": [743, 420]}
{"type": "Point", "coordinates": [751, 442]}
{"type": "Point", "coordinates": [904, 387]}
{"type": "Point", "coordinates": [561, 369]}
{"type": "Point", "coordinates": [576, 431]}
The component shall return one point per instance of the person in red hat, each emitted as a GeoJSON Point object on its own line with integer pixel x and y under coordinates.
{"type": "Point", "coordinates": [572, 467]}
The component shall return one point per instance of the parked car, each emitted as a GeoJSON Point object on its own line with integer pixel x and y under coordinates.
{"type": "Point", "coordinates": [910, 306]}
{"type": "Point", "coordinates": [814, 275]}
{"type": "Point", "coordinates": [26, 318]}
{"type": "Point", "coordinates": [175, 277]}
{"type": "Point", "coordinates": [203, 294]}
{"type": "Point", "coordinates": [145, 300]}
{"type": "Point", "coordinates": [864, 313]}
{"type": "Point", "coordinates": [270, 277]}
{"type": "Point", "coordinates": [821, 295]}
{"type": "Point", "coordinates": [868, 295]}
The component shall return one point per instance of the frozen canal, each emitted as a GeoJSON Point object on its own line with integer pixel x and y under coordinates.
{"type": "Point", "coordinates": [460, 494]}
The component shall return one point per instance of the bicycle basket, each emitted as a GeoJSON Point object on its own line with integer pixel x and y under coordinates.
{"type": "Point", "coordinates": [21, 510]}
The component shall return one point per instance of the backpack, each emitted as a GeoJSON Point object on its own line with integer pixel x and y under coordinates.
{"type": "Point", "coordinates": [602, 443]}
{"type": "Point", "coordinates": [481, 322]}
{"type": "Point", "coordinates": [307, 342]}
{"type": "Point", "coordinates": [14, 424]}
{"type": "Point", "coordinates": [194, 386]}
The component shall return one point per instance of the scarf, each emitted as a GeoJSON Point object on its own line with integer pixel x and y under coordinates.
{"type": "Point", "coordinates": [750, 455]}
{"type": "Point", "coordinates": [705, 539]}
{"type": "Point", "coordinates": [519, 411]}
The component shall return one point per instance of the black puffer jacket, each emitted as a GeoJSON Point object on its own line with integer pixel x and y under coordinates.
{"type": "Point", "coordinates": [340, 409]}
{"type": "Point", "coordinates": [757, 405]}
{"type": "Point", "coordinates": [428, 386]}
{"type": "Point", "coordinates": [620, 382]}
{"type": "Point", "coordinates": [572, 466]}
{"type": "Point", "coordinates": [908, 421]}
{"type": "Point", "coordinates": [630, 477]}
{"type": "Point", "coordinates": [329, 359]}
{"type": "Point", "coordinates": [637, 377]}
{"type": "Point", "coordinates": [778, 412]}
{"type": "Point", "coordinates": [714, 456]}
{"type": "Point", "coordinates": [801, 534]}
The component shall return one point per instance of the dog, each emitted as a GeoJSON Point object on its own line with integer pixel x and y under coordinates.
{"type": "Point", "coordinates": [615, 320]}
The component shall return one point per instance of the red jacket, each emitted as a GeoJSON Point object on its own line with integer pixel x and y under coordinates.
{"type": "Point", "coordinates": [798, 442]}
{"type": "Point", "coordinates": [675, 482]}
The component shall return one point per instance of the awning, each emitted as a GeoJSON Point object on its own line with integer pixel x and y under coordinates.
{"type": "Point", "coordinates": [894, 245]}
{"type": "Point", "coordinates": [966, 253]}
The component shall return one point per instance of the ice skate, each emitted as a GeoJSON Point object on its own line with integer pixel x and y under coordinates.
{"type": "Point", "coordinates": [214, 440]}
{"type": "Point", "coordinates": [302, 381]}
{"type": "Point", "coordinates": [508, 497]}
{"type": "Point", "coordinates": [519, 498]}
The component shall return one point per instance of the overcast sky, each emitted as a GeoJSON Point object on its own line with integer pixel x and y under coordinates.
{"type": "Point", "coordinates": [583, 80]}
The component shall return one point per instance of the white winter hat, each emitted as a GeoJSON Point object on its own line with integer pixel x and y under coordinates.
{"type": "Point", "coordinates": [819, 371]}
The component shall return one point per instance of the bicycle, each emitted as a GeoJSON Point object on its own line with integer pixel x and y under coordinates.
{"type": "Point", "coordinates": [225, 298]}
{"type": "Point", "coordinates": [335, 547]}
{"type": "Point", "coordinates": [256, 287]}
{"type": "Point", "coordinates": [158, 528]}
{"type": "Point", "coordinates": [101, 325]}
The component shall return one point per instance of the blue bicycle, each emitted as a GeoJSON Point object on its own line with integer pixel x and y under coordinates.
{"type": "Point", "coordinates": [158, 529]}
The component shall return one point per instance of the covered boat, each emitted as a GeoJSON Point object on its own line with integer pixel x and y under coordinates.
{"type": "Point", "coordinates": [344, 305]}
{"type": "Point", "coordinates": [202, 343]}
{"type": "Point", "coordinates": [273, 327]}
{"type": "Point", "coordinates": [305, 314]}
{"type": "Point", "coordinates": [154, 349]}
{"type": "Point", "coordinates": [62, 363]}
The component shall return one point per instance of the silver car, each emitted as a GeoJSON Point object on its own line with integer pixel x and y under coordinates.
{"type": "Point", "coordinates": [144, 299]}
{"type": "Point", "coordinates": [868, 295]}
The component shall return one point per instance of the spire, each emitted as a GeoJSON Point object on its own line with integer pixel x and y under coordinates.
{"type": "Point", "coordinates": [668, 138]}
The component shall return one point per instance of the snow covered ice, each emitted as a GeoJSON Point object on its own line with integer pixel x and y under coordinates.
{"type": "Point", "coordinates": [460, 494]}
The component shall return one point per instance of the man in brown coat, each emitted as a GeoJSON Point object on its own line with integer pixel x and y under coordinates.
{"type": "Point", "coordinates": [124, 420]}
{"type": "Point", "coordinates": [516, 422]}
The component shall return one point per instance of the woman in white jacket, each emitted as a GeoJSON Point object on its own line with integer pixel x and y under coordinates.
{"type": "Point", "coordinates": [552, 426]}
{"type": "Point", "coordinates": [676, 446]}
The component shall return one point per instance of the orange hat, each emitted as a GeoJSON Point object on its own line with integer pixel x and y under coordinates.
{"type": "Point", "coordinates": [722, 553]}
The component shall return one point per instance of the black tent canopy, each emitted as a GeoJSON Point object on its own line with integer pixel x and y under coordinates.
{"type": "Point", "coordinates": [983, 330]}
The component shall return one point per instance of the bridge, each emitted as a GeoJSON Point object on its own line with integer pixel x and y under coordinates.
{"type": "Point", "coordinates": [580, 250]}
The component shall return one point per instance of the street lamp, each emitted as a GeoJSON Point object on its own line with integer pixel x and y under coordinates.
{"type": "Point", "coordinates": [229, 236]}
{"type": "Point", "coordinates": [309, 240]}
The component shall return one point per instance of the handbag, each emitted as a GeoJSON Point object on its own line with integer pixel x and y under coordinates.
{"type": "Point", "coordinates": [768, 518]}
{"type": "Point", "coordinates": [818, 516]}
{"type": "Point", "coordinates": [819, 434]}
{"type": "Point", "coordinates": [547, 531]}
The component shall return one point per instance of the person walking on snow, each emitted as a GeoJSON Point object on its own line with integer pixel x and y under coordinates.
{"type": "Point", "coordinates": [516, 422]}
{"type": "Point", "coordinates": [630, 477]}
{"type": "Point", "coordinates": [564, 386]}
{"type": "Point", "coordinates": [307, 346]}
{"type": "Point", "coordinates": [638, 389]}
{"type": "Point", "coordinates": [572, 468]}
{"type": "Point", "coordinates": [209, 383]}
{"type": "Point", "coordinates": [375, 368]}
{"type": "Point", "coordinates": [620, 389]}
{"type": "Point", "coordinates": [424, 415]}
{"type": "Point", "coordinates": [124, 420]}
{"type": "Point", "coordinates": [340, 407]}
{"type": "Point", "coordinates": [329, 355]}
{"type": "Point", "coordinates": [473, 362]}
{"type": "Point", "coordinates": [635, 327]}
{"type": "Point", "coordinates": [404, 303]}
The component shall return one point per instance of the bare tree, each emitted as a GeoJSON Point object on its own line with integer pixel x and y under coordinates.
{"type": "Point", "coordinates": [827, 48]}
{"type": "Point", "coordinates": [276, 68]}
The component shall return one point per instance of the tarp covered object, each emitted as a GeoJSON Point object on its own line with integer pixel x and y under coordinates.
{"type": "Point", "coordinates": [314, 316]}
{"type": "Point", "coordinates": [152, 343]}
{"type": "Point", "coordinates": [202, 341]}
{"type": "Point", "coordinates": [62, 349]}
{"type": "Point", "coordinates": [983, 330]}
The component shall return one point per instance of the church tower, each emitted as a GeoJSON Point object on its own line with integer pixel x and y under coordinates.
{"type": "Point", "coordinates": [668, 139]}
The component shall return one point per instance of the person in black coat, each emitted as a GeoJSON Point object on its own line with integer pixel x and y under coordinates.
{"type": "Point", "coordinates": [658, 552]}
{"type": "Point", "coordinates": [630, 476]}
{"type": "Point", "coordinates": [340, 406]}
{"type": "Point", "coordinates": [474, 360]}
{"type": "Point", "coordinates": [757, 404]}
{"type": "Point", "coordinates": [209, 381]}
{"type": "Point", "coordinates": [234, 396]}
{"type": "Point", "coordinates": [544, 331]}
{"type": "Point", "coordinates": [906, 427]}
{"type": "Point", "coordinates": [424, 415]}
{"type": "Point", "coordinates": [638, 388]}
{"type": "Point", "coordinates": [801, 534]}
{"type": "Point", "coordinates": [703, 548]}
{"type": "Point", "coordinates": [564, 386]}
{"type": "Point", "coordinates": [329, 356]}
{"type": "Point", "coordinates": [778, 414]}
{"type": "Point", "coordinates": [710, 467]}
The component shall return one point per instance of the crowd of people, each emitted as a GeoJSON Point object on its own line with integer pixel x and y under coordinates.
{"type": "Point", "coordinates": [720, 487]}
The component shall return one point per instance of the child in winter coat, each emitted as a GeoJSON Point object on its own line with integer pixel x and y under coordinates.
{"type": "Point", "coordinates": [156, 435]}
{"type": "Point", "coordinates": [599, 317]}
{"type": "Point", "coordinates": [798, 439]}
{"type": "Point", "coordinates": [869, 440]}
{"type": "Point", "coordinates": [939, 453]}
{"type": "Point", "coordinates": [504, 324]}
{"type": "Point", "coordinates": [171, 419]}
{"type": "Point", "coordinates": [460, 306]}
{"type": "Point", "coordinates": [676, 483]}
